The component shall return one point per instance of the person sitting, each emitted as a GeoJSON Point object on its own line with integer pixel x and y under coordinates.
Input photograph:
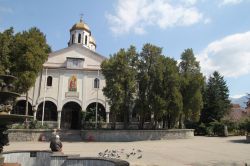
{"type": "Point", "coordinates": [56, 144]}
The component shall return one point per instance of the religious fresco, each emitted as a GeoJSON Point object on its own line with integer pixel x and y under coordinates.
{"type": "Point", "coordinates": [73, 83]}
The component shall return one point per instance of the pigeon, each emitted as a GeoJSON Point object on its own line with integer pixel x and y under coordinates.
{"type": "Point", "coordinates": [139, 150]}
{"type": "Point", "coordinates": [100, 154]}
{"type": "Point", "coordinates": [132, 153]}
{"type": "Point", "coordinates": [139, 157]}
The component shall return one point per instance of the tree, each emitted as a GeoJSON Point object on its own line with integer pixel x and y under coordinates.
{"type": "Point", "coordinates": [191, 88]}
{"type": "Point", "coordinates": [148, 64]}
{"type": "Point", "coordinates": [172, 94]}
{"type": "Point", "coordinates": [6, 44]}
{"type": "Point", "coordinates": [23, 54]}
{"type": "Point", "coordinates": [216, 99]}
{"type": "Point", "coordinates": [120, 74]}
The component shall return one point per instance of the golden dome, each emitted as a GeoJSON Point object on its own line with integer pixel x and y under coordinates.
{"type": "Point", "coordinates": [92, 40]}
{"type": "Point", "coordinates": [80, 26]}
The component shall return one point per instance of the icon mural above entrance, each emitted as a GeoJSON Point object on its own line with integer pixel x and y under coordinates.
{"type": "Point", "coordinates": [73, 83]}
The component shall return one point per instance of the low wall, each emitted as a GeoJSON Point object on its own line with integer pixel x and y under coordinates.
{"type": "Point", "coordinates": [248, 138]}
{"type": "Point", "coordinates": [19, 135]}
{"type": "Point", "coordinates": [135, 135]}
{"type": "Point", "coordinates": [47, 158]}
{"type": "Point", "coordinates": [28, 158]}
{"type": "Point", "coordinates": [95, 161]}
{"type": "Point", "coordinates": [118, 125]}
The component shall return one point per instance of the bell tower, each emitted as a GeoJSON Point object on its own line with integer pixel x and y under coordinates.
{"type": "Point", "coordinates": [80, 34]}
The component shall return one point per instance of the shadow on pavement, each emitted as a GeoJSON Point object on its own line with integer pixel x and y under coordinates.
{"type": "Point", "coordinates": [240, 141]}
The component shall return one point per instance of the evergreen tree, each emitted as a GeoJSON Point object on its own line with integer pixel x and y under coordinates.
{"type": "Point", "coordinates": [216, 99]}
{"type": "Point", "coordinates": [120, 74]}
{"type": "Point", "coordinates": [191, 88]}
{"type": "Point", "coordinates": [172, 95]}
{"type": "Point", "coordinates": [148, 72]}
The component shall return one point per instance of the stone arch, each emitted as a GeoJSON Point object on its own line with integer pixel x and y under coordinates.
{"type": "Point", "coordinates": [20, 108]}
{"type": "Point", "coordinates": [24, 98]}
{"type": "Point", "coordinates": [94, 101]}
{"type": "Point", "coordinates": [91, 112]}
{"type": "Point", "coordinates": [71, 115]}
{"type": "Point", "coordinates": [51, 99]}
{"type": "Point", "coordinates": [67, 100]}
{"type": "Point", "coordinates": [50, 111]}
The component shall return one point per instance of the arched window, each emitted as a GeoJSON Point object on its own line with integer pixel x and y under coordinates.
{"type": "Point", "coordinates": [49, 81]}
{"type": "Point", "coordinates": [72, 38]}
{"type": "Point", "coordinates": [86, 38]}
{"type": "Point", "coordinates": [79, 38]}
{"type": "Point", "coordinates": [96, 83]}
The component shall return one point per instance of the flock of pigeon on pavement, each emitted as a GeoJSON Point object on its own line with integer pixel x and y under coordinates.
{"type": "Point", "coordinates": [121, 153]}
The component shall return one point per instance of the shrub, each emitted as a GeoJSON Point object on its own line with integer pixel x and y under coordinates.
{"type": "Point", "coordinates": [247, 126]}
{"type": "Point", "coordinates": [232, 126]}
{"type": "Point", "coordinates": [191, 124]}
{"type": "Point", "coordinates": [201, 129]}
{"type": "Point", "coordinates": [218, 128]}
{"type": "Point", "coordinates": [33, 124]}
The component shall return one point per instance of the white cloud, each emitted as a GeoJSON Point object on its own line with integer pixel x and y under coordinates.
{"type": "Point", "coordinates": [136, 15]}
{"type": "Point", "coordinates": [189, 2]}
{"type": "Point", "coordinates": [237, 96]}
{"type": "Point", "coordinates": [207, 21]}
{"type": "Point", "coordinates": [229, 2]}
{"type": "Point", "coordinates": [5, 10]}
{"type": "Point", "coordinates": [230, 56]}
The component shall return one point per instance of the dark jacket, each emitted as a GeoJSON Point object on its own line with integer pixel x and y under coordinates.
{"type": "Point", "coordinates": [56, 145]}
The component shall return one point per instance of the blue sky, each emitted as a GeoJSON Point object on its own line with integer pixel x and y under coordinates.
{"type": "Point", "coordinates": [217, 30]}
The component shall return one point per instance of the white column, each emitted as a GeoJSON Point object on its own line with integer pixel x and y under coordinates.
{"type": "Point", "coordinates": [44, 94]}
{"type": "Point", "coordinates": [107, 109]}
{"type": "Point", "coordinates": [59, 113]}
{"type": "Point", "coordinates": [84, 91]}
{"type": "Point", "coordinates": [60, 95]}
{"type": "Point", "coordinates": [107, 117]}
{"type": "Point", "coordinates": [34, 114]}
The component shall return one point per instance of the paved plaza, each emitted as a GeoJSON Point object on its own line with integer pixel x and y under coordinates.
{"type": "Point", "coordinates": [199, 151]}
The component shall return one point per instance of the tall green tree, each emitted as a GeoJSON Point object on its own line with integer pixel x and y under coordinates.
{"type": "Point", "coordinates": [148, 63]}
{"type": "Point", "coordinates": [6, 44]}
{"type": "Point", "coordinates": [28, 54]}
{"type": "Point", "coordinates": [120, 74]}
{"type": "Point", "coordinates": [216, 99]}
{"type": "Point", "coordinates": [191, 88]}
{"type": "Point", "coordinates": [172, 94]}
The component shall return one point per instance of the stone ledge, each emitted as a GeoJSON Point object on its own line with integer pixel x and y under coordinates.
{"type": "Point", "coordinates": [135, 135]}
{"type": "Point", "coordinates": [20, 135]}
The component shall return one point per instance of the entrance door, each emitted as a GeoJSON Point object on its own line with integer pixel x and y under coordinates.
{"type": "Point", "coordinates": [71, 116]}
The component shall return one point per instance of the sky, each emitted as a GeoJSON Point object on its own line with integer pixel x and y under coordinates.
{"type": "Point", "coordinates": [218, 31]}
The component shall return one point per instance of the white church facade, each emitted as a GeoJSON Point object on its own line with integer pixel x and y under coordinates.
{"type": "Point", "coordinates": [70, 84]}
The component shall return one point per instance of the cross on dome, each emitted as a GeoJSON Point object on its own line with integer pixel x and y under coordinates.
{"type": "Point", "coordinates": [81, 17]}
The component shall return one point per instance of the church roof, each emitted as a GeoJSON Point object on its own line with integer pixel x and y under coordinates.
{"type": "Point", "coordinates": [80, 26]}
{"type": "Point", "coordinates": [82, 51]}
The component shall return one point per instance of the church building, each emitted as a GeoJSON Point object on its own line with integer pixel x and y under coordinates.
{"type": "Point", "coordinates": [70, 84]}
